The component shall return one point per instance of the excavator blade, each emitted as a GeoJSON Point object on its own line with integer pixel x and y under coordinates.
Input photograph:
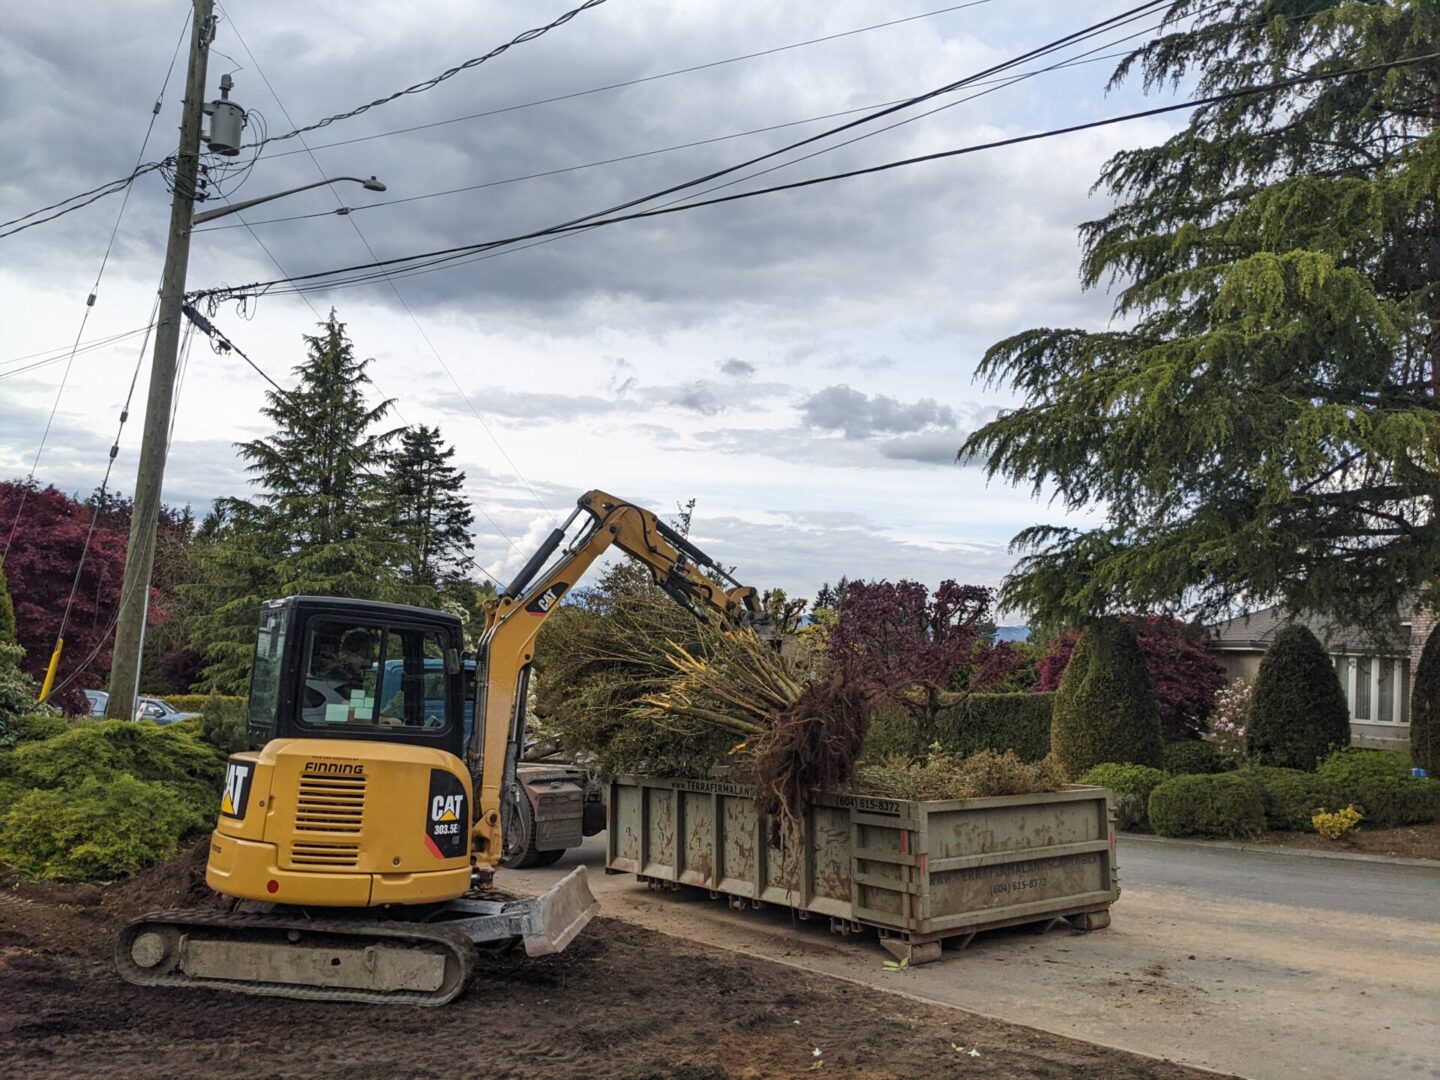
{"type": "Point", "coordinates": [561, 914]}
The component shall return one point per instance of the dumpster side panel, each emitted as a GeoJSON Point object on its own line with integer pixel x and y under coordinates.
{"type": "Point", "coordinates": [783, 864]}
{"type": "Point", "coordinates": [657, 857]}
{"type": "Point", "coordinates": [739, 839]}
{"type": "Point", "coordinates": [697, 830]}
{"type": "Point", "coordinates": [830, 860]}
{"type": "Point", "coordinates": [624, 829]}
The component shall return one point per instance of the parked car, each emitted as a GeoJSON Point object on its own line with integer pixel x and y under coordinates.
{"type": "Point", "coordinates": [159, 711]}
{"type": "Point", "coordinates": [98, 700]}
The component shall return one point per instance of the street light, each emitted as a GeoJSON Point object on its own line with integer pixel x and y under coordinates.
{"type": "Point", "coordinates": [210, 215]}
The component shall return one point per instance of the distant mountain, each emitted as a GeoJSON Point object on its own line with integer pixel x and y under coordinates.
{"type": "Point", "coordinates": [1012, 633]}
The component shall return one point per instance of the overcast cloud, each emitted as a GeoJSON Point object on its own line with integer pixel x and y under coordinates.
{"type": "Point", "coordinates": [783, 359]}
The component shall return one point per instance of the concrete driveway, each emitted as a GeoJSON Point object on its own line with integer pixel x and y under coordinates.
{"type": "Point", "coordinates": [1268, 966]}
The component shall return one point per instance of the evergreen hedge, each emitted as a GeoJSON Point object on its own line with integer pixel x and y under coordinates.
{"type": "Point", "coordinates": [1192, 757]}
{"type": "Point", "coordinates": [1105, 707]}
{"type": "Point", "coordinates": [1225, 804]}
{"type": "Point", "coordinates": [1298, 712]}
{"type": "Point", "coordinates": [1131, 786]}
{"type": "Point", "coordinates": [969, 724]}
{"type": "Point", "coordinates": [1425, 707]}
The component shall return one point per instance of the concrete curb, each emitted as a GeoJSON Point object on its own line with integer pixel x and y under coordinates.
{"type": "Point", "coordinates": [1277, 849]}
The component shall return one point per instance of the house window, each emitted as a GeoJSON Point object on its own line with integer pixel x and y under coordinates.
{"type": "Point", "coordinates": [1361, 706]}
{"type": "Point", "coordinates": [1386, 711]}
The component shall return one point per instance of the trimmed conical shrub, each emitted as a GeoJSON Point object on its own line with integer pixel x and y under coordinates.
{"type": "Point", "coordinates": [1298, 711]}
{"type": "Point", "coordinates": [1425, 707]}
{"type": "Point", "coordinates": [1105, 707]}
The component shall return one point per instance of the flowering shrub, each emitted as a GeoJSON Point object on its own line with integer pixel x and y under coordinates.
{"type": "Point", "coordinates": [1334, 824]}
{"type": "Point", "coordinates": [1230, 716]}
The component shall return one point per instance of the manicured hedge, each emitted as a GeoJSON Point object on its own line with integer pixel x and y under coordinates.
{"type": "Point", "coordinates": [196, 702]}
{"type": "Point", "coordinates": [1131, 785]}
{"type": "Point", "coordinates": [1193, 757]}
{"type": "Point", "coordinates": [1298, 711]}
{"type": "Point", "coordinates": [1292, 797]}
{"type": "Point", "coordinates": [1388, 802]}
{"type": "Point", "coordinates": [1425, 707]}
{"type": "Point", "coordinates": [1221, 805]}
{"type": "Point", "coordinates": [1352, 765]}
{"type": "Point", "coordinates": [974, 722]}
{"type": "Point", "coordinates": [1105, 707]}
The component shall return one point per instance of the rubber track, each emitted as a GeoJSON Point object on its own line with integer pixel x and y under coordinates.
{"type": "Point", "coordinates": [361, 932]}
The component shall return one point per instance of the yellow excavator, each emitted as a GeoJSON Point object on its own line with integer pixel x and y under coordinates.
{"type": "Point", "coordinates": [383, 781]}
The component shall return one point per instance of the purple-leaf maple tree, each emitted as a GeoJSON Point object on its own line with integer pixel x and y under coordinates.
{"type": "Point", "coordinates": [914, 644]}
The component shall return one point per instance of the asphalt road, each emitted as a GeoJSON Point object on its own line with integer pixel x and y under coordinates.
{"type": "Point", "coordinates": [1262, 965]}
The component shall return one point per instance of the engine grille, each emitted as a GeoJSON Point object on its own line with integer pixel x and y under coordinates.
{"type": "Point", "coordinates": [323, 855]}
{"type": "Point", "coordinates": [330, 805]}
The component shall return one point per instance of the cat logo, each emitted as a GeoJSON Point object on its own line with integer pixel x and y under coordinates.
{"type": "Point", "coordinates": [237, 789]}
{"type": "Point", "coordinates": [542, 604]}
{"type": "Point", "coordinates": [446, 807]}
{"type": "Point", "coordinates": [448, 822]}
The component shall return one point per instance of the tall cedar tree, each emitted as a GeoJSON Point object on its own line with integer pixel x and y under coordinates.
{"type": "Point", "coordinates": [1298, 711]}
{"type": "Point", "coordinates": [321, 525]}
{"type": "Point", "coordinates": [432, 518]}
{"type": "Point", "coordinates": [915, 644]}
{"type": "Point", "coordinates": [1105, 707]}
{"type": "Point", "coordinates": [1263, 423]}
{"type": "Point", "coordinates": [1425, 707]}
{"type": "Point", "coordinates": [1184, 673]}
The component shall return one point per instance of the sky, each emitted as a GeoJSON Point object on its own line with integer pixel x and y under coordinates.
{"type": "Point", "coordinates": [802, 364]}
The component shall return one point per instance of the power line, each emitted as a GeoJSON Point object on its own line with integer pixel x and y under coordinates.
{"type": "Point", "coordinates": [421, 87]}
{"type": "Point", "coordinates": [347, 210]}
{"type": "Point", "coordinates": [403, 303]}
{"type": "Point", "coordinates": [450, 254]}
{"type": "Point", "coordinates": [642, 79]}
{"type": "Point", "coordinates": [96, 194]}
{"type": "Point", "coordinates": [1050, 47]}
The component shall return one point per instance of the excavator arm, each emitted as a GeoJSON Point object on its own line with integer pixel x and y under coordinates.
{"type": "Point", "coordinates": [513, 620]}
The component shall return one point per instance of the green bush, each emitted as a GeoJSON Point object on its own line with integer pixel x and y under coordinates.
{"type": "Point", "coordinates": [116, 748]}
{"type": "Point", "coordinates": [222, 723]}
{"type": "Point", "coordinates": [1425, 707]}
{"type": "Point", "coordinates": [1221, 805]}
{"type": "Point", "coordinates": [97, 829]}
{"type": "Point", "coordinates": [30, 727]}
{"type": "Point", "coordinates": [1105, 707]}
{"type": "Point", "coordinates": [969, 724]}
{"type": "Point", "coordinates": [1389, 802]}
{"type": "Point", "coordinates": [1292, 797]}
{"type": "Point", "coordinates": [1298, 711]}
{"type": "Point", "coordinates": [1132, 785]}
{"type": "Point", "coordinates": [1352, 765]}
{"type": "Point", "coordinates": [1195, 757]}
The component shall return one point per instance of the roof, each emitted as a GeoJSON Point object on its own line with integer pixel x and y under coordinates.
{"type": "Point", "coordinates": [1257, 630]}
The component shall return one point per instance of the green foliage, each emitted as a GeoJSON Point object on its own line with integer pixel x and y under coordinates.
{"type": "Point", "coordinates": [1131, 785]}
{"type": "Point", "coordinates": [1389, 802]}
{"type": "Point", "coordinates": [1224, 804]}
{"type": "Point", "coordinates": [7, 614]}
{"type": "Point", "coordinates": [1104, 709]}
{"type": "Point", "coordinates": [30, 727]}
{"type": "Point", "coordinates": [431, 515]}
{"type": "Point", "coordinates": [1258, 421]}
{"type": "Point", "coordinates": [222, 723]}
{"type": "Point", "coordinates": [114, 748]}
{"type": "Point", "coordinates": [1298, 711]}
{"type": "Point", "coordinates": [1425, 707]}
{"type": "Point", "coordinates": [1353, 764]}
{"type": "Point", "coordinates": [96, 829]}
{"type": "Point", "coordinates": [966, 724]}
{"type": "Point", "coordinates": [17, 690]}
{"type": "Point", "coordinates": [1292, 797]}
{"type": "Point", "coordinates": [1194, 757]}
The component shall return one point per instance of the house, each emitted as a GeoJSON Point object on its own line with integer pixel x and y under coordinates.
{"type": "Point", "coordinates": [1374, 670]}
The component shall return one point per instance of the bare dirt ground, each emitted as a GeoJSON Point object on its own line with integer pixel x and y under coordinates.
{"type": "Point", "coordinates": [623, 1001]}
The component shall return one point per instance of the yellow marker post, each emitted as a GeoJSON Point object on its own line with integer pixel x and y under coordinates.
{"type": "Point", "coordinates": [50, 671]}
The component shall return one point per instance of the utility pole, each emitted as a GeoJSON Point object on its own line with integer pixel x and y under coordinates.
{"type": "Point", "coordinates": [145, 512]}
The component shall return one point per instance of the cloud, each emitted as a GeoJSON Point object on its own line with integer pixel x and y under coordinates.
{"type": "Point", "coordinates": [931, 448]}
{"type": "Point", "coordinates": [860, 416]}
{"type": "Point", "coordinates": [736, 368]}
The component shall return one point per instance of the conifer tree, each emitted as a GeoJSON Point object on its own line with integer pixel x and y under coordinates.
{"type": "Point", "coordinates": [1298, 711]}
{"type": "Point", "coordinates": [1105, 707]}
{"type": "Point", "coordinates": [1262, 420]}
{"type": "Point", "coordinates": [1425, 707]}
{"type": "Point", "coordinates": [321, 523]}
{"type": "Point", "coordinates": [431, 517]}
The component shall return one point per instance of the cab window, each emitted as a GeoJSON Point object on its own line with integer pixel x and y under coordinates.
{"type": "Point", "coordinates": [364, 675]}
